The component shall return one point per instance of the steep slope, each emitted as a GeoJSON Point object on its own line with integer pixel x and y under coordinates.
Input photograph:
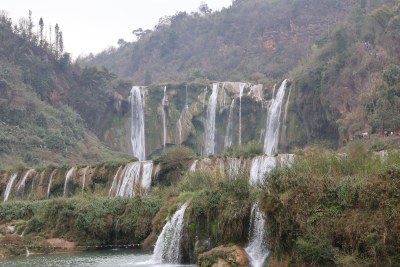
{"type": "Point", "coordinates": [39, 90]}
{"type": "Point", "coordinates": [349, 84]}
{"type": "Point", "coordinates": [252, 39]}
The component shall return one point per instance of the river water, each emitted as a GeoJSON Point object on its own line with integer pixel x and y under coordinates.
{"type": "Point", "coordinates": [103, 258]}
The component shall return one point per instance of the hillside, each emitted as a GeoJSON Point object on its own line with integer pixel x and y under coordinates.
{"type": "Point", "coordinates": [341, 55]}
{"type": "Point", "coordinates": [251, 40]}
{"type": "Point", "coordinates": [47, 107]}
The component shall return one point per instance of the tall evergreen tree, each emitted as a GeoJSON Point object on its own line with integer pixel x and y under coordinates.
{"type": "Point", "coordinates": [57, 36]}
{"type": "Point", "coordinates": [61, 43]}
{"type": "Point", "coordinates": [41, 26]}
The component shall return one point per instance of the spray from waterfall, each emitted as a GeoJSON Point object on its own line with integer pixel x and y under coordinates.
{"type": "Point", "coordinates": [164, 117]}
{"type": "Point", "coordinates": [209, 144]}
{"type": "Point", "coordinates": [257, 248]}
{"type": "Point", "coordinates": [9, 186]}
{"type": "Point", "coordinates": [136, 99]}
{"type": "Point", "coordinates": [168, 245]}
{"type": "Point", "coordinates": [271, 139]}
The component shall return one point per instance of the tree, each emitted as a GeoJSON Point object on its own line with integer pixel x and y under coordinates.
{"type": "Point", "coordinates": [57, 36]}
{"type": "Point", "coordinates": [30, 25]}
{"type": "Point", "coordinates": [204, 9]}
{"type": "Point", "coordinates": [41, 26]}
{"type": "Point", "coordinates": [61, 43]}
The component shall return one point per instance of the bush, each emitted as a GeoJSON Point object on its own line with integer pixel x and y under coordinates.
{"type": "Point", "coordinates": [315, 251]}
{"type": "Point", "coordinates": [173, 162]}
{"type": "Point", "coordinates": [248, 150]}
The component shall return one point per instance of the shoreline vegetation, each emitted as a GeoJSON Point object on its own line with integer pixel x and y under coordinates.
{"type": "Point", "coordinates": [324, 209]}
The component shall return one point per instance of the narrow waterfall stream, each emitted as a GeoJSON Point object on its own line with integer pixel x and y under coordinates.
{"type": "Point", "coordinates": [136, 99]}
{"type": "Point", "coordinates": [271, 139]}
{"type": "Point", "coordinates": [229, 131]}
{"type": "Point", "coordinates": [209, 144]}
{"type": "Point", "coordinates": [168, 245]}
{"type": "Point", "coordinates": [67, 179]}
{"type": "Point", "coordinates": [9, 186]}
{"type": "Point", "coordinates": [257, 248]}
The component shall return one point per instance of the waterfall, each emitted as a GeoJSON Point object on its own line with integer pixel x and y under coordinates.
{"type": "Point", "coordinates": [271, 139]}
{"type": "Point", "coordinates": [114, 183]}
{"type": "Point", "coordinates": [229, 132]}
{"type": "Point", "coordinates": [285, 115]}
{"type": "Point", "coordinates": [209, 143]}
{"type": "Point", "coordinates": [9, 186]}
{"type": "Point", "coordinates": [84, 178]}
{"type": "Point", "coordinates": [137, 122]}
{"type": "Point", "coordinates": [235, 165]}
{"type": "Point", "coordinates": [23, 181]}
{"type": "Point", "coordinates": [180, 122]}
{"type": "Point", "coordinates": [241, 86]}
{"type": "Point", "coordinates": [257, 248]}
{"type": "Point", "coordinates": [193, 166]}
{"type": "Point", "coordinates": [146, 176]}
{"type": "Point", "coordinates": [50, 181]}
{"type": "Point", "coordinates": [68, 177]}
{"type": "Point", "coordinates": [164, 118]}
{"type": "Point", "coordinates": [168, 245]}
{"type": "Point", "coordinates": [133, 175]}
{"type": "Point", "coordinates": [28, 253]}
{"type": "Point", "coordinates": [126, 186]}
{"type": "Point", "coordinates": [260, 166]}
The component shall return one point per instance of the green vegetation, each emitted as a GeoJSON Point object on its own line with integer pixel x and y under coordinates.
{"type": "Point", "coordinates": [254, 39]}
{"type": "Point", "coordinates": [85, 221]}
{"type": "Point", "coordinates": [47, 104]}
{"type": "Point", "coordinates": [248, 150]}
{"type": "Point", "coordinates": [328, 210]}
{"type": "Point", "coordinates": [174, 162]}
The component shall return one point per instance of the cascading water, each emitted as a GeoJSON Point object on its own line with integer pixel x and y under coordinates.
{"type": "Point", "coordinates": [164, 117]}
{"type": "Point", "coordinates": [180, 123]}
{"type": "Point", "coordinates": [257, 248]}
{"type": "Point", "coordinates": [193, 166]}
{"type": "Point", "coordinates": [126, 186]}
{"type": "Point", "coordinates": [84, 178]}
{"type": "Point", "coordinates": [229, 132]}
{"type": "Point", "coordinates": [209, 143]}
{"type": "Point", "coordinates": [235, 165]}
{"type": "Point", "coordinates": [146, 176]}
{"type": "Point", "coordinates": [168, 245]}
{"type": "Point", "coordinates": [271, 138]}
{"type": "Point", "coordinates": [23, 181]}
{"type": "Point", "coordinates": [113, 187]}
{"type": "Point", "coordinates": [133, 175]}
{"type": "Point", "coordinates": [68, 177]}
{"type": "Point", "coordinates": [241, 88]}
{"type": "Point", "coordinates": [259, 167]}
{"type": "Point", "coordinates": [50, 181]}
{"type": "Point", "coordinates": [9, 186]}
{"type": "Point", "coordinates": [136, 99]}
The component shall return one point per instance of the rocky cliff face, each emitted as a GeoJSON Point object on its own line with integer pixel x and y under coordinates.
{"type": "Point", "coordinates": [240, 111]}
